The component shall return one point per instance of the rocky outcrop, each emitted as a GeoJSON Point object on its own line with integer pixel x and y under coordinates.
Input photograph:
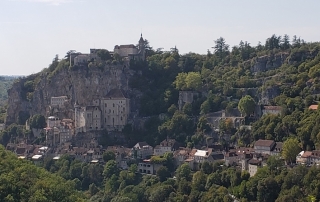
{"type": "Point", "coordinates": [82, 85]}
{"type": "Point", "coordinates": [268, 62]}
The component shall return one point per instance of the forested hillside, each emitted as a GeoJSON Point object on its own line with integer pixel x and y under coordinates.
{"type": "Point", "coordinates": [280, 71]}
{"type": "Point", "coordinates": [23, 181]}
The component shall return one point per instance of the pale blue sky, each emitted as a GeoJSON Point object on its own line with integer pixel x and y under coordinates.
{"type": "Point", "coordinates": [34, 31]}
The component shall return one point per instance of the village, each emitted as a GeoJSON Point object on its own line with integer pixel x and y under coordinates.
{"type": "Point", "coordinates": [77, 136]}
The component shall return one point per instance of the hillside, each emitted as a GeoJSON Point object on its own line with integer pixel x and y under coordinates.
{"type": "Point", "coordinates": [23, 181]}
{"type": "Point", "coordinates": [280, 72]}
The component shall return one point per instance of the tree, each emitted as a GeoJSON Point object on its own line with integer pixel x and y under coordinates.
{"type": "Point", "coordinates": [38, 121]}
{"type": "Point", "coordinates": [187, 109]}
{"type": "Point", "coordinates": [104, 54]}
{"type": "Point", "coordinates": [183, 172]}
{"type": "Point", "coordinates": [163, 173]}
{"type": "Point", "coordinates": [205, 107]}
{"type": "Point", "coordinates": [109, 155]}
{"type": "Point", "coordinates": [246, 105]}
{"type": "Point", "coordinates": [290, 150]}
{"type": "Point", "coordinates": [221, 48]}
{"type": "Point", "coordinates": [193, 81]}
{"type": "Point", "coordinates": [199, 181]}
{"type": "Point", "coordinates": [110, 168]}
{"type": "Point", "coordinates": [285, 42]}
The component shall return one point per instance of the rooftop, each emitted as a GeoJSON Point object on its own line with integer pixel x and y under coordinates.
{"type": "Point", "coordinates": [116, 93]}
{"type": "Point", "coordinates": [313, 107]}
{"type": "Point", "coordinates": [264, 143]}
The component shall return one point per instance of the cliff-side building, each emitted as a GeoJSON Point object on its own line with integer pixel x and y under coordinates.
{"type": "Point", "coordinates": [115, 110]}
{"type": "Point", "coordinates": [131, 51]}
{"type": "Point", "coordinates": [110, 113]}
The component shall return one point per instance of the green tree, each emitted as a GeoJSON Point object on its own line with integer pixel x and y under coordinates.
{"type": "Point", "coordinates": [220, 47]}
{"type": "Point", "coordinates": [108, 155]}
{"type": "Point", "coordinates": [193, 81]}
{"type": "Point", "coordinates": [104, 54]}
{"type": "Point", "coordinates": [163, 173]}
{"type": "Point", "coordinates": [38, 121]}
{"type": "Point", "coordinates": [187, 109]}
{"type": "Point", "coordinates": [246, 105]}
{"type": "Point", "coordinates": [290, 150]}
{"type": "Point", "coordinates": [183, 172]}
{"type": "Point", "coordinates": [110, 169]}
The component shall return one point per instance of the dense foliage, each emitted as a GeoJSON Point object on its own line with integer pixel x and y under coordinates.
{"type": "Point", "coordinates": [213, 182]}
{"type": "Point", "coordinates": [23, 181]}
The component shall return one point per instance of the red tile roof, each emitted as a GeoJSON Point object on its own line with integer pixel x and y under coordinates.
{"type": "Point", "coordinates": [313, 107]}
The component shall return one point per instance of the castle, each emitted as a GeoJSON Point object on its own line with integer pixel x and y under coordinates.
{"type": "Point", "coordinates": [126, 52]}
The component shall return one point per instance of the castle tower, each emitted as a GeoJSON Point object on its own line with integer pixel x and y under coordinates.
{"type": "Point", "coordinates": [142, 50]}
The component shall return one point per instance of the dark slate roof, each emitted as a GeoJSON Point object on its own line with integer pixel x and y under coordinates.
{"type": "Point", "coordinates": [116, 93]}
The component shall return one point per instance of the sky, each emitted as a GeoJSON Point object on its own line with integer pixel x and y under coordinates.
{"type": "Point", "coordinates": [32, 32]}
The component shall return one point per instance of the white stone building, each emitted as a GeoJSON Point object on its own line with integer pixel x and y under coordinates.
{"type": "Point", "coordinates": [142, 150]}
{"type": "Point", "coordinates": [167, 145]}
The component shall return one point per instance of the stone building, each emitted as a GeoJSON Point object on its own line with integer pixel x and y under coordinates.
{"type": "Point", "coordinates": [58, 101]}
{"type": "Point", "coordinates": [110, 113]}
{"type": "Point", "coordinates": [84, 59]}
{"type": "Point", "coordinates": [131, 51]}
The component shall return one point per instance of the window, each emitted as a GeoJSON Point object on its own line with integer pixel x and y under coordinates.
{"type": "Point", "coordinates": [105, 105]}
{"type": "Point", "coordinates": [113, 104]}
{"type": "Point", "coordinates": [121, 118]}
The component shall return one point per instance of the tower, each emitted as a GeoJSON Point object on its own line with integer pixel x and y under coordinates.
{"type": "Point", "coordinates": [142, 51]}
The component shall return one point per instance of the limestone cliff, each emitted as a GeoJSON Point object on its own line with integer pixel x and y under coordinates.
{"type": "Point", "coordinates": [82, 84]}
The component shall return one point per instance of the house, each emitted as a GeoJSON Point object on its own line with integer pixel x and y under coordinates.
{"type": "Point", "coordinates": [276, 110]}
{"type": "Point", "coordinates": [304, 158]}
{"type": "Point", "coordinates": [122, 155]}
{"type": "Point", "coordinates": [313, 107]}
{"type": "Point", "coordinates": [147, 167]}
{"type": "Point", "coordinates": [308, 157]}
{"type": "Point", "coordinates": [184, 155]}
{"type": "Point", "coordinates": [167, 145]}
{"type": "Point", "coordinates": [142, 150]}
{"type": "Point", "coordinates": [264, 146]}
{"type": "Point", "coordinates": [315, 157]}
{"type": "Point", "coordinates": [269, 147]}
{"type": "Point", "coordinates": [231, 158]}
{"type": "Point", "coordinates": [253, 165]}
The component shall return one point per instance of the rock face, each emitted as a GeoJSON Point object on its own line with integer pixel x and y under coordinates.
{"type": "Point", "coordinates": [269, 62]}
{"type": "Point", "coordinates": [82, 85]}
